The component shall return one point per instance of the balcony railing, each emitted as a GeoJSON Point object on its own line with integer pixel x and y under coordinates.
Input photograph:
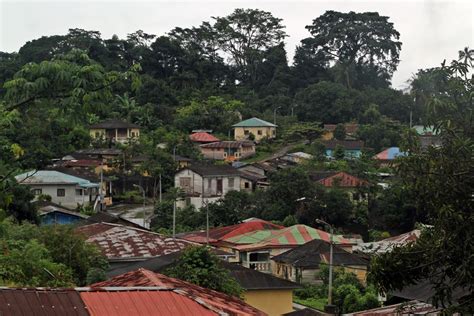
{"type": "Point", "coordinates": [262, 266]}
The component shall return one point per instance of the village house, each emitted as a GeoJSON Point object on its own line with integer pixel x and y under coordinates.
{"type": "Point", "coordinates": [203, 184]}
{"type": "Point", "coordinates": [342, 180]}
{"type": "Point", "coordinates": [260, 129]}
{"type": "Point", "coordinates": [52, 214]}
{"type": "Point", "coordinates": [256, 248]}
{"type": "Point", "coordinates": [202, 137]}
{"type": "Point", "coordinates": [115, 131]}
{"type": "Point", "coordinates": [302, 263]}
{"type": "Point", "coordinates": [352, 148]}
{"type": "Point", "coordinates": [222, 303]}
{"type": "Point", "coordinates": [64, 189]}
{"type": "Point", "coordinates": [228, 150]}
{"type": "Point", "coordinates": [387, 157]}
{"type": "Point", "coordinates": [328, 130]}
{"type": "Point", "coordinates": [263, 291]}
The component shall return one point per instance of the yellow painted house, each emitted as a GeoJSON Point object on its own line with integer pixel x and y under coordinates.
{"type": "Point", "coordinates": [258, 128]}
{"type": "Point", "coordinates": [264, 291]}
{"type": "Point", "coordinates": [115, 131]}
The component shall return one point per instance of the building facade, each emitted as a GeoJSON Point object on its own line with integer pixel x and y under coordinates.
{"type": "Point", "coordinates": [260, 129]}
{"type": "Point", "coordinates": [228, 150]}
{"type": "Point", "coordinates": [114, 131]}
{"type": "Point", "coordinates": [206, 183]}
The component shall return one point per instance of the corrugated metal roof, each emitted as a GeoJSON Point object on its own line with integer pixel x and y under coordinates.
{"type": "Point", "coordinates": [350, 128]}
{"type": "Point", "coordinates": [41, 302]}
{"type": "Point", "coordinates": [390, 154]}
{"type": "Point", "coordinates": [216, 300]}
{"type": "Point", "coordinates": [343, 179]}
{"type": "Point", "coordinates": [229, 144]}
{"type": "Point", "coordinates": [290, 237]}
{"type": "Point", "coordinates": [213, 170]}
{"type": "Point", "coordinates": [226, 232]}
{"type": "Point", "coordinates": [52, 177]}
{"type": "Point", "coordinates": [315, 252]}
{"type": "Point", "coordinates": [114, 123]}
{"type": "Point", "coordinates": [254, 122]}
{"type": "Point", "coordinates": [203, 137]}
{"type": "Point", "coordinates": [125, 242]}
{"type": "Point", "coordinates": [143, 303]}
{"type": "Point", "coordinates": [388, 244]}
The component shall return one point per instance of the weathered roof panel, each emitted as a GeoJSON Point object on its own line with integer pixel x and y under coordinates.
{"type": "Point", "coordinates": [254, 122]}
{"type": "Point", "coordinates": [124, 242]}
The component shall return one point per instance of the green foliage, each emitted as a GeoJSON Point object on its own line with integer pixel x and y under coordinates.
{"type": "Point", "coordinates": [340, 132]}
{"type": "Point", "coordinates": [339, 153]}
{"type": "Point", "coordinates": [45, 256]}
{"type": "Point", "coordinates": [356, 40]}
{"type": "Point", "coordinates": [199, 266]}
{"type": "Point", "coordinates": [443, 254]}
{"type": "Point", "coordinates": [349, 295]}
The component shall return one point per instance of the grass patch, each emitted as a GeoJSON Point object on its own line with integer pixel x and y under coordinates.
{"type": "Point", "coordinates": [316, 303]}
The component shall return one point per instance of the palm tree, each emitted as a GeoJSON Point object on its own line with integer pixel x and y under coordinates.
{"type": "Point", "coordinates": [468, 56]}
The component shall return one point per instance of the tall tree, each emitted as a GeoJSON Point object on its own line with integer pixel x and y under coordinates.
{"type": "Point", "coordinates": [356, 39]}
{"type": "Point", "coordinates": [443, 253]}
{"type": "Point", "coordinates": [245, 35]}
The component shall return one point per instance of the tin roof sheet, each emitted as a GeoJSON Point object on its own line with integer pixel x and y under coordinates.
{"type": "Point", "coordinates": [216, 300]}
{"type": "Point", "coordinates": [290, 237]}
{"type": "Point", "coordinates": [254, 122]}
{"type": "Point", "coordinates": [203, 137]}
{"type": "Point", "coordinates": [125, 242]}
{"type": "Point", "coordinates": [41, 302]}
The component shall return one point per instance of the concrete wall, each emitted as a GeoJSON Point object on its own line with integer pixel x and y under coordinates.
{"type": "Point", "coordinates": [268, 132]}
{"type": "Point", "coordinates": [272, 302]}
{"type": "Point", "coordinates": [210, 187]}
{"type": "Point", "coordinates": [70, 199]}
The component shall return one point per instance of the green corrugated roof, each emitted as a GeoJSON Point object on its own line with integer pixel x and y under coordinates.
{"type": "Point", "coordinates": [254, 122]}
{"type": "Point", "coordinates": [293, 235]}
{"type": "Point", "coordinates": [52, 177]}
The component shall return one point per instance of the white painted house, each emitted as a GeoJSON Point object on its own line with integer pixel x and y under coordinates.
{"type": "Point", "coordinates": [206, 183]}
{"type": "Point", "coordinates": [64, 189]}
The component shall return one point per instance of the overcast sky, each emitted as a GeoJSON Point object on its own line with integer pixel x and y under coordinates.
{"type": "Point", "coordinates": [430, 30]}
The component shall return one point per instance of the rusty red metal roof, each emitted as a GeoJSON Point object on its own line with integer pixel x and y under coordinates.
{"type": "Point", "coordinates": [222, 233]}
{"type": "Point", "coordinates": [124, 242]}
{"type": "Point", "coordinates": [203, 137]}
{"type": "Point", "coordinates": [39, 302]}
{"type": "Point", "coordinates": [215, 300]}
{"type": "Point", "coordinates": [343, 179]}
{"type": "Point", "coordinates": [142, 302]}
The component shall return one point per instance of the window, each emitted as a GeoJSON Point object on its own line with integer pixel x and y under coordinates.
{"type": "Point", "coordinates": [78, 191]}
{"type": "Point", "coordinates": [132, 134]}
{"type": "Point", "coordinates": [231, 182]}
{"type": "Point", "coordinates": [259, 132]}
{"type": "Point", "coordinates": [274, 132]}
{"type": "Point", "coordinates": [185, 182]}
{"type": "Point", "coordinates": [246, 132]}
{"type": "Point", "coordinates": [61, 192]}
{"type": "Point", "coordinates": [37, 191]}
{"type": "Point", "coordinates": [97, 134]}
{"type": "Point", "coordinates": [247, 185]}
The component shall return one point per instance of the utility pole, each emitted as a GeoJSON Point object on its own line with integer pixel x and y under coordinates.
{"type": "Point", "coordinates": [101, 192]}
{"type": "Point", "coordinates": [329, 307]}
{"type": "Point", "coordinates": [160, 188]}
{"type": "Point", "coordinates": [275, 115]}
{"type": "Point", "coordinates": [174, 217]}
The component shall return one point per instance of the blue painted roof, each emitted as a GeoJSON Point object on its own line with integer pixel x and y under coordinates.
{"type": "Point", "coordinates": [390, 154]}
{"type": "Point", "coordinates": [53, 177]}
